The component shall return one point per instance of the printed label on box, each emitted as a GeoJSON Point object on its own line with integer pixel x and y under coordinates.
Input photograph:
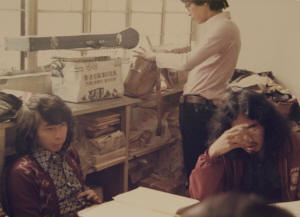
{"type": "Point", "coordinates": [84, 81]}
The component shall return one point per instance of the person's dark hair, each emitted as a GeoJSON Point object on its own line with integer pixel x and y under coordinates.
{"type": "Point", "coordinates": [49, 108]}
{"type": "Point", "coordinates": [233, 204]}
{"type": "Point", "coordinates": [256, 107]}
{"type": "Point", "coordinates": [214, 5]}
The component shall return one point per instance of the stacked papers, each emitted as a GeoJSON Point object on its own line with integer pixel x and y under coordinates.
{"type": "Point", "coordinates": [140, 202]}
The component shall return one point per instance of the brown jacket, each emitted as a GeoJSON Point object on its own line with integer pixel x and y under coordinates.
{"type": "Point", "coordinates": [31, 191]}
{"type": "Point", "coordinates": [215, 175]}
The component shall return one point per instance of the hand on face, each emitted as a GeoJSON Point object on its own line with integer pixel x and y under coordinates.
{"type": "Point", "coordinates": [245, 136]}
{"type": "Point", "coordinates": [255, 135]}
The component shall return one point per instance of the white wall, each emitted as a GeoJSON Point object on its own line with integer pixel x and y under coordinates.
{"type": "Point", "coordinates": [270, 32]}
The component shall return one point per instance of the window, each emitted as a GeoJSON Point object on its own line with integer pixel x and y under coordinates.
{"type": "Point", "coordinates": [58, 17]}
{"type": "Point", "coordinates": [176, 16]}
{"type": "Point", "coordinates": [158, 19]}
{"type": "Point", "coordinates": [10, 10]}
{"type": "Point", "coordinates": [147, 19]}
{"type": "Point", "coordinates": [108, 16]}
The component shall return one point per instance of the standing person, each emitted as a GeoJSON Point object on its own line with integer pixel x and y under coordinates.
{"type": "Point", "coordinates": [252, 150]}
{"type": "Point", "coordinates": [211, 64]}
{"type": "Point", "coordinates": [46, 178]}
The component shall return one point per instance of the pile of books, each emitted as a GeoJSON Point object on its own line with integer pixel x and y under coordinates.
{"type": "Point", "coordinates": [100, 123]}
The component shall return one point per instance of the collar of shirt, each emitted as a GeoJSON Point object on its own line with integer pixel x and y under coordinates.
{"type": "Point", "coordinates": [222, 15]}
{"type": "Point", "coordinates": [44, 157]}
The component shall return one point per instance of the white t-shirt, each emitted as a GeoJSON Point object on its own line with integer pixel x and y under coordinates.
{"type": "Point", "coordinates": [211, 62]}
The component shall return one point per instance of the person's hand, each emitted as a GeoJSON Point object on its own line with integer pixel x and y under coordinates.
{"type": "Point", "coordinates": [240, 136]}
{"type": "Point", "coordinates": [145, 53]}
{"type": "Point", "coordinates": [89, 195]}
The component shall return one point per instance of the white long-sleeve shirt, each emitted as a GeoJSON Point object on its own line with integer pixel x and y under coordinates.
{"type": "Point", "coordinates": [212, 62]}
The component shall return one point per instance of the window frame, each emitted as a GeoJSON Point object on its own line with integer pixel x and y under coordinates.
{"type": "Point", "coordinates": [29, 20]}
{"type": "Point", "coordinates": [22, 12]}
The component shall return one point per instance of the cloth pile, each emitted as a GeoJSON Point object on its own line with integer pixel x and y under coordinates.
{"type": "Point", "coordinates": [266, 83]}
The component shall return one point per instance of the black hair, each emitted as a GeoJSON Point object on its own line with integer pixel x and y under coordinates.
{"type": "Point", "coordinates": [214, 5]}
{"type": "Point", "coordinates": [49, 108]}
{"type": "Point", "coordinates": [256, 107]}
{"type": "Point", "coordinates": [233, 204]}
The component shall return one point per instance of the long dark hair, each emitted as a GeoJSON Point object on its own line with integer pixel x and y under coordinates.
{"type": "Point", "coordinates": [256, 107]}
{"type": "Point", "coordinates": [233, 204]}
{"type": "Point", "coordinates": [49, 108]}
{"type": "Point", "coordinates": [214, 5]}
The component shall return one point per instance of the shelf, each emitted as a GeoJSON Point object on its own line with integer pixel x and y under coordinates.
{"type": "Point", "coordinates": [174, 90]}
{"type": "Point", "coordinates": [150, 100]}
{"type": "Point", "coordinates": [166, 92]}
{"type": "Point", "coordinates": [110, 159]}
{"type": "Point", "coordinates": [149, 149]}
{"type": "Point", "coordinates": [109, 163]}
{"type": "Point", "coordinates": [9, 124]}
{"type": "Point", "coordinates": [89, 107]}
{"type": "Point", "coordinates": [24, 75]}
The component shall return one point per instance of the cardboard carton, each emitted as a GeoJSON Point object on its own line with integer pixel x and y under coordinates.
{"type": "Point", "coordinates": [87, 79]}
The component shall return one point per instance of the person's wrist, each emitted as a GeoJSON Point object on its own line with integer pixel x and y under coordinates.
{"type": "Point", "coordinates": [212, 153]}
{"type": "Point", "coordinates": [153, 57]}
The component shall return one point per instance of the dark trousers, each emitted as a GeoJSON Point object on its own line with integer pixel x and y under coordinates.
{"type": "Point", "coordinates": [193, 120]}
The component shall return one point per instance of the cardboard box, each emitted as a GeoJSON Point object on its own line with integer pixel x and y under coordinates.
{"type": "Point", "coordinates": [87, 79]}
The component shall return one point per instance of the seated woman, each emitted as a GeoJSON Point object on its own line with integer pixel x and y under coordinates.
{"type": "Point", "coordinates": [252, 150]}
{"type": "Point", "coordinates": [46, 178]}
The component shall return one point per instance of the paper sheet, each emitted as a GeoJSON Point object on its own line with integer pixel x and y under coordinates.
{"type": "Point", "coordinates": [154, 200]}
{"type": "Point", "coordinates": [293, 207]}
{"type": "Point", "coordinates": [116, 209]}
